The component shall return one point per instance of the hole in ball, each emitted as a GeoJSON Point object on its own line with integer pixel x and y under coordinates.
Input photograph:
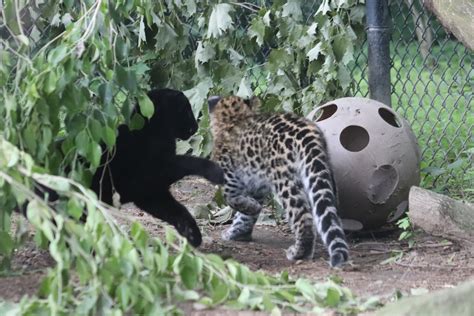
{"type": "Point", "coordinates": [389, 117]}
{"type": "Point", "coordinates": [325, 112]}
{"type": "Point", "coordinates": [383, 182]}
{"type": "Point", "coordinates": [354, 138]}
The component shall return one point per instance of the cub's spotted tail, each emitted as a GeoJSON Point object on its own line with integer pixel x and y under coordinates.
{"type": "Point", "coordinates": [322, 196]}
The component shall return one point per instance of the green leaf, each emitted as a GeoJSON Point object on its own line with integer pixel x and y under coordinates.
{"type": "Point", "coordinates": [434, 171]}
{"type": "Point", "coordinates": [198, 95]}
{"type": "Point", "coordinates": [139, 235]}
{"type": "Point", "coordinates": [74, 208]}
{"type": "Point", "coordinates": [96, 130]}
{"type": "Point", "coordinates": [455, 165]}
{"type": "Point", "coordinates": [292, 9]}
{"type": "Point", "coordinates": [235, 57]}
{"type": "Point", "coordinates": [245, 91]}
{"type": "Point", "coordinates": [189, 276]}
{"type": "Point", "coordinates": [244, 296]}
{"type": "Point", "coordinates": [82, 142]}
{"type": "Point", "coordinates": [123, 293]}
{"type": "Point", "coordinates": [204, 53]}
{"type": "Point", "coordinates": [146, 105]}
{"type": "Point", "coordinates": [95, 154]}
{"type": "Point", "coordinates": [121, 48]}
{"type": "Point", "coordinates": [219, 292]}
{"type": "Point", "coordinates": [170, 236]}
{"type": "Point", "coordinates": [182, 147]}
{"type": "Point", "coordinates": [30, 138]}
{"type": "Point", "coordinates": [216, 260]}
{"type": "Point", "coordinates": [324, 8]}
{"type": "Point", "coordinates": [7, 245]}
{"type": "Point", "coordinates": [278, 59]}
{"type": "Point", "coordinates": [306, 288]}
{"type": "Point", "coordinates": [166, 37]}
{"type": "Point", "coordinates": [333, 297]}
{"type": "Point", "coordinates": [51, 82]}
{"type": "Point", "coordinates": [220, 20]}
{"type": "Point", "coordinates": [137, 122]}
{"type": "Point", "coordinates": [285, 295]}
{"type": "Point", "coordinates": [109, 137]}
{"type": "Point", "coordinates": [257, 30]}
{"type": "Point", "coordinates": [105, 93]}
{"type": "Point", "coordinates": [190, 295]}
{"type": "Point", "coordinates": [147, 293]}
{"type": "Point", "coordinates": [344, 77]}
{"type": "Point", "coordinates": [9, 154]}
{"type": "Point", "coordinates": [57, 54]}
{"type": "Point", "coordinates": [126, 78]}
{"type": "Point", "coordinates": [10, 103]}
{"type": "Point", "coordinates": [314, 52]}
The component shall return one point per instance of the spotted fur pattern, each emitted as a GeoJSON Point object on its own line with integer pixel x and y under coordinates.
{"type": "Point", "coordinates": [282, 154]}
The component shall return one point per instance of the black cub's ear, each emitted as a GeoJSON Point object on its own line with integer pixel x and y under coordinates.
{"type": "Point", "coordinates": [212, 102]}
{"type": "Point", "coordinates": [253, 102]}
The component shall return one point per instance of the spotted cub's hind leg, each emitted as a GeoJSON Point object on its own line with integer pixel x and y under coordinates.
{"type": "Point", "coordinates": [247, 210]}
{"type": "Point", "coordinates": [293, 199]}
{"type": "Point", "coordinates": [241, 228]}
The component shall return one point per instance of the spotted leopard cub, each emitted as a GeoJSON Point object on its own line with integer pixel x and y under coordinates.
{"type": "Point", "coordinates": [280, 153]}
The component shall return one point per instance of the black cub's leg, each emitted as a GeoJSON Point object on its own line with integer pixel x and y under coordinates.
{"type": "Point", "coordinates": [187, 165]}
{"type": "Point", "coordinates": [165, 207]}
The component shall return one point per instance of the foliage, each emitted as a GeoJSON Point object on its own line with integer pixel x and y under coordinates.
{"type": "Point", "coordinates": [70, 72]}
{"type": "Point", "coordinates": [407, 230]}
{"type": "Point", "coordinates": [115, 271]}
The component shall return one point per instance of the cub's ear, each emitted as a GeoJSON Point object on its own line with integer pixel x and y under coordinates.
{"type": "Point", "coordinates": [254, 102]}
{"type": "Point", "coordinates": [212, 102]}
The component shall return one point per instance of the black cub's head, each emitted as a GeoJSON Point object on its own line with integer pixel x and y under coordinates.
{"type": "Point", "coordinates": [173, 109]}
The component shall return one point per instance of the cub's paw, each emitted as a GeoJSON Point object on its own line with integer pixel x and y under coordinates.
{"type": "Point", "coordinates": [190, 231]}
{"type": "Point", "coordinates": [214, 173]}
{"type": "Point", "coordinates": [231, 234]}
{"type": "Point", "coordinates": [294, 253]}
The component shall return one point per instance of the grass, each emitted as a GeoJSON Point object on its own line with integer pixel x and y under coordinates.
{"type": "Point", "coordinates": [435, 96]}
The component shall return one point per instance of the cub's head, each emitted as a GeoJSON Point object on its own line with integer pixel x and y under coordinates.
{"type": "Point", "coordinates": [230, 109]}
{"type": "Point", "coordinates": [173, 109]}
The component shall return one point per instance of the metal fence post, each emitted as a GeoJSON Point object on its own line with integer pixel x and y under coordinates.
{"type": "Point", "coordinates": [378, 38]}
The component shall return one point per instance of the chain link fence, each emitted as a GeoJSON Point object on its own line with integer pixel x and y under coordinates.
{"type": "Point", "coordinates": [432, 80]}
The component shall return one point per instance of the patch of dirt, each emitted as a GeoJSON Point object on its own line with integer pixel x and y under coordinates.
{"type": "Point", "coordinates": [29, 266]}
{"type": "Point", "coordinates": [432, 263]}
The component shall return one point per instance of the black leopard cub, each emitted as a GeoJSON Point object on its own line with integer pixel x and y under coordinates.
{"type": "Point", "coordinates": [280, 153]}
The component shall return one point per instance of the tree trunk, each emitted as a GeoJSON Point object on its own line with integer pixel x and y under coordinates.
{"type": "Point", "coordinates": [440, 215]}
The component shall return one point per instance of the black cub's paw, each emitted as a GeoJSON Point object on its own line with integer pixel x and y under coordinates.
{"type": "Point", "coordinates": [190, 231]}
{"type": "Point", "coordinates": [214, 173]}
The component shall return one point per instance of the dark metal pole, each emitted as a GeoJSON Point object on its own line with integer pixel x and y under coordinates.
{"type": "Point", "coordinates": [378, 38]}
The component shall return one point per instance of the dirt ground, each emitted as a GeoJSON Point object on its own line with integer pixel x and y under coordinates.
{"type": "Point", "coordinates": [431, 264]}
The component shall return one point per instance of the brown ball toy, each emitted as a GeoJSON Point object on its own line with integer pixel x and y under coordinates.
{"type": "Point", "coordinates": [375, 158]}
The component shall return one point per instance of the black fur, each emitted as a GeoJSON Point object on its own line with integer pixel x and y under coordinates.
{"type": "Point", "coordinates": [145, 163]}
